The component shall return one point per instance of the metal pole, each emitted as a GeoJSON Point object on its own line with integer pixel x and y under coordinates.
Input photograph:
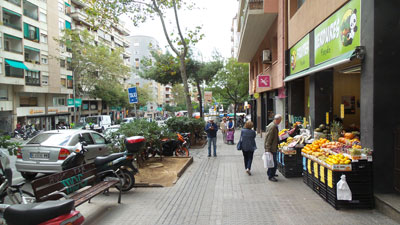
{"type": "Point", "coordinates": [73, 89]}
{"type": "Point", "coordinates": [135, 111]}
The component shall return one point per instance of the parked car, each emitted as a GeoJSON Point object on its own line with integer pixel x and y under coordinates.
{"type": "Point", "coordinates": [99, 122]}
{"type": "Point", "coordinates": [47, 151]}
{"type": "Point", "coordinates": [128, 119]}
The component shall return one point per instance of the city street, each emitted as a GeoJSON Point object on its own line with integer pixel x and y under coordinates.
{"type": "Point", "coordinates": [217, 190]}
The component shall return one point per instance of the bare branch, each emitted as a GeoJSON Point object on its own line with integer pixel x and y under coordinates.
{"type": "Point", "coordinates": [185, 48]}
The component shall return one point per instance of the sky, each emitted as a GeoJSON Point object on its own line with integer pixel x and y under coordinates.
{"type": "Point", "coordinates": [216, 18]}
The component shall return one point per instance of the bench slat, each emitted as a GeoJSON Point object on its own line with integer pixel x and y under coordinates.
{"type": "Point", "coordinates": [89, 193]}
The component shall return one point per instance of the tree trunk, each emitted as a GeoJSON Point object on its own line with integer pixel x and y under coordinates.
{"type": "Point", "coordinates": [186, 86]}
{"type": "Point", "coordinates": [234, 113]}
{"type": "Point", "coordinates": [200, 99]}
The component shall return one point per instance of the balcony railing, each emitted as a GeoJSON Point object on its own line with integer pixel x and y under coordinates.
{"type": "Point", "coordinates": [32, 81]}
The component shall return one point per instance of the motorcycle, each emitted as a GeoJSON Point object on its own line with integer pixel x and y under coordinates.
{"type": "Point", "coordinates": [18, 133]}
{"type": "Point", "coordinates": [121, 163]}
{"type": "Point", "coordinates": [178, 146]}
{"type": "Point", "coordinates": [186, 137]}
{"type": "Point", "coordinates": [43, 213]}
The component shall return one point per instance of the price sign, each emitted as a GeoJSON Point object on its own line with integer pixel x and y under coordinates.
{"type": "Point", "coordinates": [327, 118]}
{"type": "Point", "coordinates": [342, 111]}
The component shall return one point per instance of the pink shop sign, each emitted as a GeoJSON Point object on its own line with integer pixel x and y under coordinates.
{"type": "Point", "coordinates": [264, 81]}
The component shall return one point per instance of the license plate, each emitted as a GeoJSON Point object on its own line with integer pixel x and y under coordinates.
{"type": "Point", "coordinates": [39, 155]}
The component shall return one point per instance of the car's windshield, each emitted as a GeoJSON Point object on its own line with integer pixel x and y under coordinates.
{"type": "Point", "coordinates": [92, 119]}
{"type": "Point", "coordinates": [51, 139]}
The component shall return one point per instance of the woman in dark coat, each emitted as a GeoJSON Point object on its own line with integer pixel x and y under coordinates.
{"type": "Point", "coordinates": [248, 145]}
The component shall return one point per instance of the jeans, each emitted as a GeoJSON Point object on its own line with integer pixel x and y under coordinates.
{"type": "Point", "coordinates": [248, 159]}
{"type": "Point", "coordinates": [272, 171]}
{"type": "Point", "coordinates": [214, 142]}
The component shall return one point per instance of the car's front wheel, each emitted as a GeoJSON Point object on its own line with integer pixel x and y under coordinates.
{"type": "Point", "coordinates": [28, 175]}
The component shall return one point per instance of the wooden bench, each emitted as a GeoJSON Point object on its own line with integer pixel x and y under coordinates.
{"type": "Point", "coordinates": [66, 183]}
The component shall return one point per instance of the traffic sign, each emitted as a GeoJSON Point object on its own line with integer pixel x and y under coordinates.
{"type": "Point", "coordinates": [132, 93]}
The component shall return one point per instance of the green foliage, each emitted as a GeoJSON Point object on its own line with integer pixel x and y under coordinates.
{"type": "Point", "coordinates": [163, 68]}
{"type": "Point", "coordinates": [186, 125]}
{"type": "Point", "coordinates": [145, 95]}
{"type": "Point", "coordinates": [12, 147]}
{"type": "Point", "coordinates": [178, 94]}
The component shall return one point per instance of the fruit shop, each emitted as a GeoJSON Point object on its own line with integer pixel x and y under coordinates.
{"type": "Point", "coordinates": [324, 82]}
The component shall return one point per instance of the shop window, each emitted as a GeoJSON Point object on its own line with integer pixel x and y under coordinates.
{"type": "Point", "coordinates": [3, 92]}
{"type": "Point", "coordinates": [59, 101]}
{"type": "Point", "coordinates": [32, 78]}
{"type": "Point", "coordinates": [31, 32]}
{"type": "Point", "coordinates": [28, 101]}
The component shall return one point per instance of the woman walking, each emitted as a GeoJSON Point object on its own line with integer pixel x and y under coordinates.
{"type": "Point", "coordinates": [247, 137]}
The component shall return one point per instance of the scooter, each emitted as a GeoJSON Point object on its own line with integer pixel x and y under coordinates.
{"type": "Point", "coordinates": [43, 213]}
{"type": "Point", "coordinates": [121, 163]}
{"type": "Point", "coordinates": [169, 146]}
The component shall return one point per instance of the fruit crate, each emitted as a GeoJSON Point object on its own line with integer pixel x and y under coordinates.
{"type": "Point", "coordinates": [305, 177]}
{"type": "Point", "coordinates": [358, 201]}
{"type": "Point", "coordinates": [292, 171]}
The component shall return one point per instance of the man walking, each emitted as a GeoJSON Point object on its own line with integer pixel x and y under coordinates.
{"type": "Point", "coordinates": [211, 130]}
{"type": "Point", "coordinates": [271, 144]}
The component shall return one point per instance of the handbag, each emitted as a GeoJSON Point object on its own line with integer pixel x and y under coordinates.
{"type": "Point", "coordinates": [239, 144]}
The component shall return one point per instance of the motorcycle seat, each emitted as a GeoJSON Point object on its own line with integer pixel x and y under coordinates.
{"type": "Point", "coordinates": [36, 213]}
{"type": "Point", "coordinates": [100, 160]}
{"type": "Point", "coordinates": [18, 185]}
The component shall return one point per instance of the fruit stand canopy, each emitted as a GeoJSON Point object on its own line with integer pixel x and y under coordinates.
{"type": "Point", "coordinates": [346, 57]}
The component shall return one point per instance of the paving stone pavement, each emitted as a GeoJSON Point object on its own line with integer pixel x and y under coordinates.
{"type": "Point", "coordinates": [217, 190]}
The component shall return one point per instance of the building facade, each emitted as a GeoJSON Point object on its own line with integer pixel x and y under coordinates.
{"type": "Point", "coordinates": [33, 85]}
{"type": "Point", "coordinates": [262, 44]}
{"type": "Point", "coordinates": [140, 48]}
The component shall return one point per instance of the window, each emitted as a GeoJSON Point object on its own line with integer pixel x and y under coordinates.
{"type": "Point", "coordinates": [1, 41]}
{"type": "Point", "coordinates": [60, 7]}
{"type": "Point", "coordinates": [61, 25]}
{"type": "Point", "coordinates": [88, 139]}
{"type": "Point", "coordinates": [62, 63]}
{"type": "Point", "coordinates": [63, 82]}
{"type": "Point", "coordinates": [44, 59]}
{"type": "Point", "coordinates": [43, 17]}
{"type": "Point", "coordinates": [15, 2]}
{"type": "Point", "coordinates": [12, 71]}
{"type": "Point", "coordinates": [58, 101]}
{"type": "Point", "coordinates": [12, 44]}
{"type": "Point", "coordinates": [300, 3]}
{"type": "Point", "coordinates": [11, 19]}
{"type": "Point", "coordinates": [32, 78]}
{"type": "Point", "coordinates": [99, 140]}
{"type": "Point", "coordinates": [1, 68]}
{"type": "Point", "coordinates": [31, 10]}
{"type": "Point", "coordinates": [136, 44]}
{"type": "Point", "coordinates": [28, 101]}
{"type": "Point", "coordinates": [3, 92]}
{"type": "Point", "coordinates": [45, 80]}
{"type": "Point", "coordinates": [31, 32]}
{"type": "Point", "coordinates": [43, 37]}
{"type": "Point", "coordinates": [69, 64]}
{"type": "Point", "coordinates": [69, 82]}
{"type": "Point", "coordinates": [67, 9]}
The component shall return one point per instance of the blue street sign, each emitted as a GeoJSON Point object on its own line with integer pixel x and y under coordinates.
{"type": "Point", "coordinates": [132, 93]}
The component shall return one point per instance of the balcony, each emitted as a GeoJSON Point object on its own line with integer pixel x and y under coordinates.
{"type": "Point", "coordinates": [32, 55]}
{"type": "Point", "coordinates": [11, 19]}
{"type": "Point", "coordinates": [12, 44]}
{"type": "Point", "coordinates": [31, 33]}
{"type": "Point", "coordinates": [80, 15]}
{"type": "Point", "coordinates": [32, 78]}
{"type": "Point", "coordinates": [255, 19]}
{"type": "Point", "coordinates": [31, 10]}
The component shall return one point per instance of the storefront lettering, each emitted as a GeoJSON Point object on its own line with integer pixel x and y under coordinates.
{"type": "Point", "coordinates": [327, 34]}
{"type": "Point", "coordinates": [74, 183]}
{"type": "Point", "coordinates": [32, 111]}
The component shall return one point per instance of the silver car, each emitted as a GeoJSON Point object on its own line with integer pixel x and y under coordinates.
{"type": "Point", "coordinates": [47, 151]}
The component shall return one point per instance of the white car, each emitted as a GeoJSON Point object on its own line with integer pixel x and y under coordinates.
{"type": "Point", "coordinates": [128, 119]}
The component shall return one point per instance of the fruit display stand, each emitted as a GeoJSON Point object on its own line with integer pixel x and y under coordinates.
{"type": "Point", "coordinates": [322, 176]}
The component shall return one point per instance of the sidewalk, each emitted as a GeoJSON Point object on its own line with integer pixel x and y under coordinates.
{"type": "Point", "coordinates": [217, 190]}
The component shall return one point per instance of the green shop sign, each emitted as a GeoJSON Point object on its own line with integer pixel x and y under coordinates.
{"type": "Point", "coordinates": [300, 55]}
{"type": "Point", "coordinates": [339, 33]}
{"type": "Point", "coordinates": [78, 102]}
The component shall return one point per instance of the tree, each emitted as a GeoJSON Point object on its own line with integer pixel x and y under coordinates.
{"type": "Point", "coordinates": [232, 82]}
{"type": "Point", "coordinates": [97, 71]}
{"type": "Point", "coordinates": [109, 10]}
{"type": "Point", "coordinates": [200, 72]}
{"type": "Point", "coordinates": [145, 95]}
{"type": "Point", "coordinates": [178, 94]}
{"type": "Point", "coordinates": [162, 68]}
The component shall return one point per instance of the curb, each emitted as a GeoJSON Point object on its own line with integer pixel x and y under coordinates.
{"type": "Point", "coordinates": [387, 209]}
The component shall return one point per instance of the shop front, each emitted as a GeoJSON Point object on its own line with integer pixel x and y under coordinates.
{"type": "Point", "coordinates": [38, 117]}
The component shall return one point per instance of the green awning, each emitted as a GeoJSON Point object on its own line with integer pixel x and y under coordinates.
{"type": "Point", "coordinates": [12, 12]}
{"type": "Point", "coordinates": [346, 57]}
{"type": "Point", "coordinates": [32, 49]}
{"type": "Point", "coordinates": [69, 77]}
{"type": "Point", "coordinates": [16, 64]}
{"type": "Point", "coordinates": [67, 4]}
{"type": "Point", "coordinates": [13, 37]}
{"type": "Point", "coordinates": [67, 25]}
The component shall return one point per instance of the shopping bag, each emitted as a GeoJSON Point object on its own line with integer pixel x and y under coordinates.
{"type": "Point", "coordinates": [268, 159]}
{"type": "Point", "coordinates": [239, 144]}
{"type": "Point", "coordinates": [343, 189]}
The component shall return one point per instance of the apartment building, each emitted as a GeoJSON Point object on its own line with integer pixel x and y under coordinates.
{"type": "Point", "coordinates": [262, 44]}
{"type": "Point", "coordinates": [114, 36]}
{"type": "Point", "coordinates": [33, 83]}
{"type": "Point", "coordinates": [140, 48]}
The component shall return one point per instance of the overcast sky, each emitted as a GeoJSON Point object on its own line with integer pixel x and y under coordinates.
{"type": "Point", "coordinates": [216, 18]}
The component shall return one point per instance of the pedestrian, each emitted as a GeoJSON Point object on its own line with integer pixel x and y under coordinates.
{"type": "Point", "coordinates": [222, 127]}
{"type": "Point", "coordinates": [211, 130]}
{"type": "Point", "coordinates": [248, 139]}
{"type": "Point", "coordinates": [230, 134]}
{"type": "Point", "coordinates": [271, 144]}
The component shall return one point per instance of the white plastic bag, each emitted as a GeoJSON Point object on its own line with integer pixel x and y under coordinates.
{"type": "Point", "coordinates": [343, 189]}
{"type": "Point", "coordinates": [268, 159]}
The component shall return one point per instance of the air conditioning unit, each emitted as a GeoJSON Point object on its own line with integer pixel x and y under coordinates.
{"type": "Point", "coordinates": [266, 56]}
